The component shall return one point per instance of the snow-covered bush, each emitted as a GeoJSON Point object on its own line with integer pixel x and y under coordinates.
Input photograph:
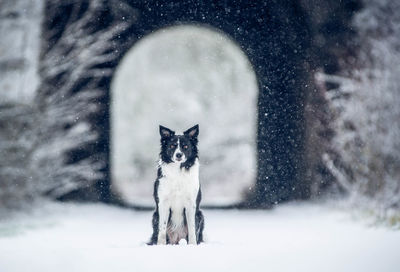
{"type": "Point", "coordinates": [19, 57]}
{"type": "Point", "coordinates": [365, 106]}
{"type": "Point", "coordinates": [35, 146]}
{"type": "Point", "coordinates": [46, 141]}
{"type": "Point", "coordinates": [81, 45]}
{"type": "Point", "coordinates": [15, 149]}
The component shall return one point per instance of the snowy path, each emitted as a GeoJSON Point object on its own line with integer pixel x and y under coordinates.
{"type": "Point", "coordinates": [94, 237]}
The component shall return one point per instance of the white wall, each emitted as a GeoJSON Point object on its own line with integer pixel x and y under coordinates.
{"type": "Point", "coordinates": [178, 77]}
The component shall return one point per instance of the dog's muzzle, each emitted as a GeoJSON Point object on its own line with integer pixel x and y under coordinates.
{"type": "Point", "coordinates": [178, 156]}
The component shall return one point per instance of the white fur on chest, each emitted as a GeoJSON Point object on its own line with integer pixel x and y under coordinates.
{"type": "Point", "coordinates": [177, 192]}
{"type": "Point", "coordinates": [178, 184]}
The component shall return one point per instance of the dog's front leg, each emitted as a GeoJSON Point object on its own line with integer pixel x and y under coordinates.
{"type": "Point", "coordinates": [162, 224]}
{"type": "Point", "coordinates": [190, 217]}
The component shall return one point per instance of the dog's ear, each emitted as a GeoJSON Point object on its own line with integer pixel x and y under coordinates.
{"type": "Point", "coordinates": [192, 132]}
{"type": "Point", "coordinates": [166, 132]}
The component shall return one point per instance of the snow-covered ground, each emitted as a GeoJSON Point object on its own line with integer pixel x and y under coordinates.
{"type": "Point", "coordinates": [295, 237]}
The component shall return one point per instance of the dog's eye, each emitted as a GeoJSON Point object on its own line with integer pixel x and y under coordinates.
{"type": "Point", "coordinates": [172, 146]}
{"type": "Point", "coordinates": [185, 147]}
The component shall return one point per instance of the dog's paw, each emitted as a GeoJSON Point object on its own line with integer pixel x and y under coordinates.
{"type": "Point", "coordinates": [162, 241]}
{"type": "Point", "coordinates": [182, 242]}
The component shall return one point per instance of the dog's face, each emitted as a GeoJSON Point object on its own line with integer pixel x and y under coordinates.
{"type": "Point", "coordinates": [179, 148]}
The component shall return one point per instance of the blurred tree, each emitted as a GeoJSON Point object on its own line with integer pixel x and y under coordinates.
{"type": "Point", "coordinates": [78, 56]}
{"type": "Point", "coordinates": [364, 101]}
{"type": "Point", "coordinates": [332, 46]}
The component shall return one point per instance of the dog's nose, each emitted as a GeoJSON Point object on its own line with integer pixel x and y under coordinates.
{"type": "Point", "coordinates": [179, 155]}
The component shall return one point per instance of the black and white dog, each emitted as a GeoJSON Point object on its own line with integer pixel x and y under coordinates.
{"type": "Point", "coordinates": [177, 190]}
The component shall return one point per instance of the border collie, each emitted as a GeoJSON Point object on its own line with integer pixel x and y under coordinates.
{"type": "Point", "coordinates": [177, 190]}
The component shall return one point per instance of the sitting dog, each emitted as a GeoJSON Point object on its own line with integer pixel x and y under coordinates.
{"type": "Point", "coordinates": [177, 190]}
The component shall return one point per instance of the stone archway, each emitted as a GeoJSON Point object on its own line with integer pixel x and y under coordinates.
{"type": "Point", "coordinates": [85, 40]}
{"type": "Point", "coordinates": [179, 76]}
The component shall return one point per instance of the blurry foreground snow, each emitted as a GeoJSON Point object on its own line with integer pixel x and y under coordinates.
{"type": "Point", "coordinates": [296, 237]}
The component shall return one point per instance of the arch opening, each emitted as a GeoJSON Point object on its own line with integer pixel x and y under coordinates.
{"type": "Point", "coordinates": [177, 77]}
